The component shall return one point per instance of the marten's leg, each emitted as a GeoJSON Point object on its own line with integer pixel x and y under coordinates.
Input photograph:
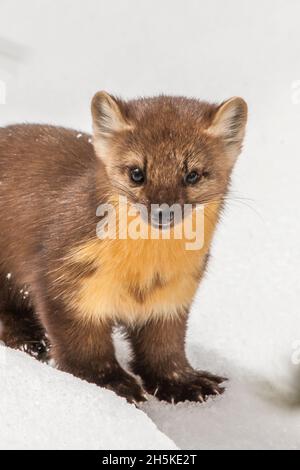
{"type": "Point", "coordinates": [160, 360]}
{"type": "Point", "coordinates": [85, 349]}
{"type": "Point", "coordinates": [19, 329]}
{"type": "Point", "coordinates": [19, 326]}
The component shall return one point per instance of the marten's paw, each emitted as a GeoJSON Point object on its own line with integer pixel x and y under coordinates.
{"type": "Point", "coordinates": [124, 385]}
{"type": "Point", "coordinates": [195, 386]}
{"type": "Point", "coordinates": [25, 336]}
{"type": "Point", "coordinates": [40, 350]}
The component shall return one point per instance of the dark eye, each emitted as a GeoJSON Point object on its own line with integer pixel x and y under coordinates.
{"type": "Point", "coordinates": [192, 178]}
{"type": "Point", "coordinates": [137, 175]}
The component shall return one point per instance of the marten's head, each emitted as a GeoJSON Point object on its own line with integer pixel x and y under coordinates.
{"type": "Point", "coordinates": [168, 150]}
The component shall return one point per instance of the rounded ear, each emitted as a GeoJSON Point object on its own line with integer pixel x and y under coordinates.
{"type": "Point", "coordinates": [229, 123]}
{"type": "Point", "coordinates": [108, 119]}
{"type": "Point", "coordinates": [107, 114]}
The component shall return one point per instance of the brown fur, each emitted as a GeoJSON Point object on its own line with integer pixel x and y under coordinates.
{"type": "Point", "coordinates": [77, 286]}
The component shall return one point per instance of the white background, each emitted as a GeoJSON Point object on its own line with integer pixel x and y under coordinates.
{"type": "Point", "coordinates": [54, 55]}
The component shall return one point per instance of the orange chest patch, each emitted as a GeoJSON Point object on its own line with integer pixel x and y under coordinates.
{"type": "Point", "coordinates": [133, 280]}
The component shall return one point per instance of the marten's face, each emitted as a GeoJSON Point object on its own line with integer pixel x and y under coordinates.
{"type": "Point", "coordinates": [168, 150]}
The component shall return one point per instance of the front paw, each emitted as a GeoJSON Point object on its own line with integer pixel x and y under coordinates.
{"type": "Point", "coordinates": [195, 386]}
{"type": "Point", "coordinates": [123, 385]}
{"type": "Point", "coordinates": [40, 350]}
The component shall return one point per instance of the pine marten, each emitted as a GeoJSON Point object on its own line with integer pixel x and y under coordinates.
{"type": "Point", "coordinates": [64, 288]}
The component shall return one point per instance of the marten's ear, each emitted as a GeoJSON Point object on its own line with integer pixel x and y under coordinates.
{"type": "Point", "coordinates": [107, 114]}
{"type": "Point", "coordinates": [229, 124]}
{"type": "Point", "coordinates": [108, 119]}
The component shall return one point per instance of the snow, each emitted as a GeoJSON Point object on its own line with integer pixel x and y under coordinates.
{"type": "Point", "coordinates": [247, 417]}
{"type": "Point", "coordinates": [43, 408]}
{"type": "Point", "coordinates": [245, 322]}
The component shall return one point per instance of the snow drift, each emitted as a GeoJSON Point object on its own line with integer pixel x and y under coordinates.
{"type": "Point", "coordinates": [42, 408]}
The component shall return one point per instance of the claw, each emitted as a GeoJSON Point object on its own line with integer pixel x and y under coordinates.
{"type": "Point", "coordinates": [224, 379]}
{"type": "Point", "coordinates": [200, 398]}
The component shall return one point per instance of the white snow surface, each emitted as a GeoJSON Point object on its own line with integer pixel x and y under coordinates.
{"type": "Point", "coordinates": [245, 322]}
{"type": "Point", "coordinates": [42, 408]}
